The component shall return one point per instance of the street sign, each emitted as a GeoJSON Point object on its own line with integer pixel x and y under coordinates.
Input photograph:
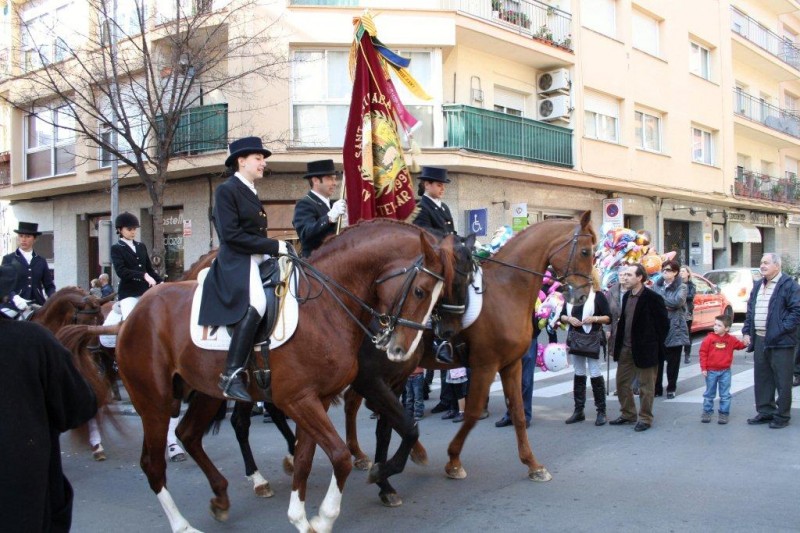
{"type": "Point", "coordinates": [612, 212]}
{"type": "Point", "coordinates": [477, 220]}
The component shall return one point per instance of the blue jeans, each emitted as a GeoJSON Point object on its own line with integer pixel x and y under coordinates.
{"type": "Point", "coordinates": [528, 365]}
{"type": "Point", "coordinates": [723, 379]}
{"type": "Point", "coordinates": [414, 404]}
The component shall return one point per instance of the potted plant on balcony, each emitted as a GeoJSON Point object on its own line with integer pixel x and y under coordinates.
{"type": "Point", "coordinates": [544, 34]}
{"type": "Point", "coordinates": [497, 7]}
{"type": "Point", "coordinates": [738, 188]}
{"type": "Point", "coordinates": [516, 17]}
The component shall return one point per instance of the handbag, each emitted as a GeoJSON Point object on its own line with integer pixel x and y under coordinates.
{"type": "Point", "coordinates": [586, 344]}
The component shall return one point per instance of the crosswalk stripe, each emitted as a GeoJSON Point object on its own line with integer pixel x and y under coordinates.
{"type": "Point", "coordinates": [739, 382]}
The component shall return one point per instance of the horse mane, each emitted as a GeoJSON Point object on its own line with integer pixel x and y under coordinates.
{"type": "Point", "coordinates": [550, 222]}
{"type": "Point", "coordinates": [202, 262]}
{"type": "Point", "coordinates": [331, 241]}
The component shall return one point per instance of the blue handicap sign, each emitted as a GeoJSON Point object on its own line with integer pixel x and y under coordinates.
{"type": "Point", "coordinates": [477, 220]}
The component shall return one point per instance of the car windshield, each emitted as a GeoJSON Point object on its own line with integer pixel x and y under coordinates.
{"type": "Point", "coordinates": [722, 277]}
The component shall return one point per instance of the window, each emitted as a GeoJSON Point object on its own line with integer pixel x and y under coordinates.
{"type": "Point", "coordinates": [49, 143]}
{"type": "Point", "coordinates": [702, 146]}
{"type": "Point", "coordinates": [601, 16]}
{"type": "Point", "coordinates": [601, 117]}
{"type": "Point", "coordinates": [138, 124]}
{"type": "Point", "coordinates": [128, 22]}
{"type": "Point", "coordinates": [509, 102]}
{"type": "Point", "coordinates": [648, 131]}
{"type": "Point", "coordinates": [44, 39]}
{"type": "Point", "coordinates": [790, 101]}
{"type": "Point", "coordinates": [321, 96]}
{"type": "Point", "coordinates": [699, 60]}
{"type": "Point", "coordinates": [187, 8]}
{"type": "Point", "coordinates": [645, 33]}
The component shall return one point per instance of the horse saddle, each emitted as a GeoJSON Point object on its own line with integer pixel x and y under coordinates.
{"type": "Point", "coordinates": [280, 320]}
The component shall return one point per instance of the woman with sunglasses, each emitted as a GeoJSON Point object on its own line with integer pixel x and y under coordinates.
{"type": "Point", "coordinates": [673, 290]}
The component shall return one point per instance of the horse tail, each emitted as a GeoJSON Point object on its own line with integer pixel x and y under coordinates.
{"type": "Point", "coordinates": [76, 339]}
{"type": "Point", "coordinates": [216, 422]}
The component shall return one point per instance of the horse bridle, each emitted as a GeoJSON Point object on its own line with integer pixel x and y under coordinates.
{"type": "Point", "coordinates": [568, 271]}
{"type": "Point", "coordinates": [387, 322]}
{"type": "Point", "coordinates": [91, 311]}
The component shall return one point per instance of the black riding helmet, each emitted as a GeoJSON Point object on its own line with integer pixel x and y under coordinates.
{"type": "Point", "coordinates": [126, 220]}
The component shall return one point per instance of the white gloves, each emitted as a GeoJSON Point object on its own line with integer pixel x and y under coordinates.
{"type": "Point", "coordinates": [282, 250]}
{"type": "Point", "coordinates": [338, 209]}
{"type": "Point", "coordinates": [20, 302]}
{"type": "Point", "coordinates": [149, 279]}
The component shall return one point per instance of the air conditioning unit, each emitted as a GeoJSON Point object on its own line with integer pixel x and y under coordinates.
{"type": "Point", "coordinates": [555, 108]}
{"type": "Point", "coordinates": [718, 236]}
{"type": "Point", "coordinates": [553, 82]}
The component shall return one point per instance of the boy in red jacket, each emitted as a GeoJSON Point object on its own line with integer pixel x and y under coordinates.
{"type": "Point", "coordinates": [716, 356]}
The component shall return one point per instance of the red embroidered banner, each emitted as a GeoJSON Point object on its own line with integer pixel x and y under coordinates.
{"type": "Point", "coordinates": [377, 180]}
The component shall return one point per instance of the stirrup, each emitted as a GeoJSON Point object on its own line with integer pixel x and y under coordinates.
{"type": "Point", "coordinates": [226, 382]}
{"type": "Point", "coordinates": [444, 351]}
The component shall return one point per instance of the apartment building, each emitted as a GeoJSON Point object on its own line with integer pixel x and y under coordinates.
{"type": "Point", "coordinates": [675, 117]}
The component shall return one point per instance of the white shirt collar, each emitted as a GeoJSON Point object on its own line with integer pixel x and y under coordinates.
{"type": "Point", "coordinates": [129, 242]}
{"type": "Point", "coordinates": [244, 180]}
{"type": "Point", "coordinates": [327, 201]}
{"type": "Point", "coordinates": [27, 255]}
{"type": "Point", "coordinates": [434, 200]}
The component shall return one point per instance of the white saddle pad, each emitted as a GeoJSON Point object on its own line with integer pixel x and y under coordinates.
{"type": "Point", "coordinates": [113, 318]}
{"type": "Point", "coordinates": [217, 338]}
{"type": "Point", "coordinates": [475, 302]}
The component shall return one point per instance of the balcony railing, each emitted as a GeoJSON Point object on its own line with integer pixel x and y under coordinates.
{"type": "Point", "coordinates": [784, 120]}
{"type": "Point", "coordinates": [201, 129]}
{"type": "Point", "coordinates": [528, 17]}
{"type": "Point", "coordinates": [531, 18]}
{"type": "Point", "coordinates": [491, 132]}
{"type": "Point", "coordinates": [751, 184]}
{"type": "Point", "coordinates": [758, 34]}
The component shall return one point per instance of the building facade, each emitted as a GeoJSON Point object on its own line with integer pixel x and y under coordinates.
{"type": "Point", "coordinates": [682, 122]}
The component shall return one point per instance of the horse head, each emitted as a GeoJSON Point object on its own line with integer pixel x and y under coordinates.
{"type": "Point", "coordinates": [412, 292]}
{"type": "Point", "coordinates": [447, 318]}
{"type": "Point", "coordinates": [573, 261]}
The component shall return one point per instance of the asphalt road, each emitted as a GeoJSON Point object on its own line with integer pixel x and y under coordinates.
{"type": "Point", "coordinates": [679, 476]}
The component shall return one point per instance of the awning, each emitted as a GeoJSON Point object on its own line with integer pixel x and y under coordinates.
{"type": "Point", "coordinates": [743, 232]}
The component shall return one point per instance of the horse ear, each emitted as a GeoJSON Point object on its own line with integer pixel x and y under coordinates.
{"type": "Point", "coordinates": [586, 218]}
{"type": "Point", "coordinates": [431, 257]}
{"type": "Point", "coordinates": [469, 241]}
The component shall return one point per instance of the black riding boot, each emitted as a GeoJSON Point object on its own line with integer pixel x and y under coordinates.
{"type": "Point", "coordinates": [579, 393]}
{"type": "Point", "coordinates": [231, 382]}
{"type": "Point", "coordinates": [599, 393]}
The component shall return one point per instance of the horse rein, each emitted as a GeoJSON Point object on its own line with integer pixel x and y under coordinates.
{"type": "Point", "coordinates": [562, 278]}
{"type": "Point", "coordinates": [387, 322]}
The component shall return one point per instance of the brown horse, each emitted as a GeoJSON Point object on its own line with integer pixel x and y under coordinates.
{"type": "Point", "coordinates": [375, 269]}
{"type": "Point", "coordinates": [70, 305]}
{"type": "Point", "coordinates": [497, 340]}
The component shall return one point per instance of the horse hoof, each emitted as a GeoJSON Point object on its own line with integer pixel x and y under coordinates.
{"type": "Point", "coordinates": [220, 515]}
{"type": "Point", "coordinates": [420, 458]}
{"type": "Point", "coordinates": [390, 499]}
{"type": "Point", "coordinates": [539, 474]}
{"type": "Point", "coordinates": [264, 491]}
{"type": "Point", "coordinates": [362, 463]}
{"type": "Point", "coordinates": [98, 453]}
{"type": "Point", "coordinates": [455, 472]}
{"type": "Point", "coordinates": [375, 474]}
{"type": "Point", "coordinates": [288, 465]}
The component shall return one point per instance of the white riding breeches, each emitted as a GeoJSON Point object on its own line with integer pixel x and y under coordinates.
{"type": "Point", "coordinates": [257, 298]}
{"type": "Point", "coordinates": [126, 305]}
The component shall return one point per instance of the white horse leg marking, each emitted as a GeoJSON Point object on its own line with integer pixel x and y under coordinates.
{"type": "Point", "coordinates": [260, 485]}
{"type": "Point", "coordinates": [329, 510]}
{"type": "Point", "coordinates": [177, 522]}
{"type": "Point", "coordinates": [404, 357]}
{"type": "Point", "coordinates": [297, 513]}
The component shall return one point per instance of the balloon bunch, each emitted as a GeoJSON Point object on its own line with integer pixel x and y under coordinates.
{"type": "Point", "coordinates": [552, 358]}
{"type": "Point", "coordinates": [549, 304]}
{"type": "Point", "coordinates": [499, 238]}
{"type": "Point", "coordinates": [624, 246]}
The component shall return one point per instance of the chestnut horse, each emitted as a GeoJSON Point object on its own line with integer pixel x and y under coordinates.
{"type": "Point", "coordinates": [496, 341]}
{"type": "Point", "coordinates": [70, 305]}
{"type": "Point", "coordinates": [377, 269]}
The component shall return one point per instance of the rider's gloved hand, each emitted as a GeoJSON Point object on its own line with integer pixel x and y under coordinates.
{"type": "Point", "coordinates": [282, 248]}
{"type": "Point", "coordinates": [19, 302]}
{"type": "Point", "coordinates": [338, 209]}
{"type": "Point", "coordinates": [149, 279]}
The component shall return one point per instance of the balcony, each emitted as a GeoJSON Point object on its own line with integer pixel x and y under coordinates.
{"type": "Point", "coordinates": [201, 129]}
{"type": "Point", "coordinates": [494, 133]}
{"type": "Point", "coordinates": [5, 169]}
{"type": "Point", "coordinates": [749, 184]}
{"type": "Point", "coordinates": [768, 41]}
{"type": "Point", "coordinates": [783, 120]}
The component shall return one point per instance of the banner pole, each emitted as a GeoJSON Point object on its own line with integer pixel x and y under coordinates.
{"type": "Point", "coordinates": [342, 196]}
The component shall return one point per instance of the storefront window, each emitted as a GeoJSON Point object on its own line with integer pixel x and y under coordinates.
{"type": "Point", "coordinates": [173, 243]}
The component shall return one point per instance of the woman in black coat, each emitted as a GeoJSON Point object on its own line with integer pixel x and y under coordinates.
{"type": "Point", "coordinates": [42, 395]}
{"type": "Point", "coordinates": [131, 263]}
{"type": "Point", "coordinates": [232, 291]}
{"type": "Point", "coordinates": [434, 215]}
{"type": "Point", "coordinates": [691, 290]}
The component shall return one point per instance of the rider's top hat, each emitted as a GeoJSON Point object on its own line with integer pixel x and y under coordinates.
{"type": "Point", "coordinates": [323, 167]}
{"type": "Point", "coordinates": [434, 174]}
{"type": "Point", "coordinates": [28, 228]}
{"type": "Point", "coordinates": [244, 147]}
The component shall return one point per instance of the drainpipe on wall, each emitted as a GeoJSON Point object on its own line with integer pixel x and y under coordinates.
{"type": "Point", "coordinates": [658, 202]}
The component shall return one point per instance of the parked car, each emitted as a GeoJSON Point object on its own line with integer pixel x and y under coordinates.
{"type": "Point", "coordinates": [709, 302]}
{"type": "Point", "coordinates": [735, 284]}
